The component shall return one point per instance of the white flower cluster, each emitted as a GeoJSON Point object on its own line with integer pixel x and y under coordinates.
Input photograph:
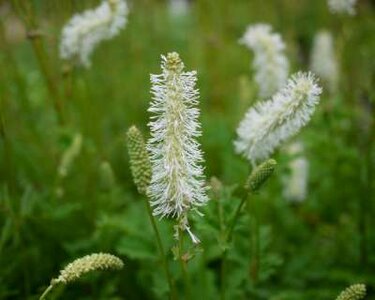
{"type": "Point", "coordinates": [342, 6]}
{"type": "Point", "coordinates": [295, 184]}
{"type": "Point", "coordinates": [271, 122]}
{"type": "Point", "coordinates": [270, 63]}
{"type": "Point", "coordinates": [177, 183]}
{"type": "Point", "coordinates": [323, 59]}
{"type": "Point", "coordinates": [85, 31]}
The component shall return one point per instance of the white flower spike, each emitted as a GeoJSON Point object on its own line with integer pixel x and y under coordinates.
{"type": "Point", "coordinates": [85, 31]}
{"type": "Point", "coordinates": [296, 183]}
{"type": "Point", "coordinates": [269, 123]}
{"type": "Point", "coordinates": [270, 63]}
{"type": "Point", "coordinates": [323, 59]}
{"type": "Point", "coordinates": [177, 183]}
{"type": "Point", "coordinates": [342, 6]}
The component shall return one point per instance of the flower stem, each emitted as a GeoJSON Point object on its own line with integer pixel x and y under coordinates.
{"type": "Point", "coordinates": [185, 274]}
{"type": "Point", "coordinates": [25, 10]}
{"type": "Point", "coordinates": [47, 290]}
{"type": "Point", "coordinates": [161, 250]}
{"type": "Point", "coordinates": [223, 270]}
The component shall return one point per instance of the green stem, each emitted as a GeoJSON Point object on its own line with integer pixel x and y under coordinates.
{"type": "Point", "coordinates": [41, 55]}
{"type": "Point", "coordinates": [236, 216]}
{"type": "Point", "coordinates": [46, 292]}
{"type": "Point", "coordinates": [161, 249]}
{"type": "Point", "coordinates": [185, 274]}
{"type": "Point", "coordinates": [223, 270]}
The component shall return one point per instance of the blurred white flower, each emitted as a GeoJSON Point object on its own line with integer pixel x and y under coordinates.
{"type": "Point", "coordinates": [177, 183]}
{"type": "Point", "coordinates": [269, 123]}
{"type": "Point", "coordinates": [295, 184]}
{"type": "Point", "coordinates": [179, 8]}
{"type": "Point", "coordinates": [85, 31]}
{"type": "Point", "coordinates": [323, 59]}
{"type": "Point", "coordinates": [342, 6]}
{"type": "Point", "coordinates": [270, 63]}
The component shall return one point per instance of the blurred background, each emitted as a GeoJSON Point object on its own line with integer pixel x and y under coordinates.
{"type": "Point", "coordinates": [50, 109]}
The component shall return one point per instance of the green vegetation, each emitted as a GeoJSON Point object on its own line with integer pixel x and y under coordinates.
{"type": "Point", "coordinates": [66, 185]}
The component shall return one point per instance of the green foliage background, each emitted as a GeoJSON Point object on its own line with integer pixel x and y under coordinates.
{"type": "Point", "coordinates": [306, 251]}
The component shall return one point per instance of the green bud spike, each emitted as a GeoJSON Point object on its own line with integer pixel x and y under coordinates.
{"type": "Point", "coordinates": [260, 175]}
{"type": "Point", "coordinates": [139, 160]}
{"type": "Point", "coordinates": [353, 292]}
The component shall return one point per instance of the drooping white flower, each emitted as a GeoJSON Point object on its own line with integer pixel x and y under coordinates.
{"type": "Point", "coordinates": [342, 6]}
{"type": "Point", "coordinates": [269, 123]}
{"type": "Point", "coordinates": [323, 59]}
{"type": "Point", "coordinates": [270, 63]}
{"type": "Point", "coordinates": [85, 31]}
{"type": "Point", "coordinates": [295, 184]}
{"type": "Point", "coordinates": [177, 183]}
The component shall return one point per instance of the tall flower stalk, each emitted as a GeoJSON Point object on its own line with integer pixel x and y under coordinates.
{"type": "Point", "coordinates": [177, 182]}
{"type": "Point", "coordinates": [269, 123]}
{"type": "Point", "coordinates": [270, 63]}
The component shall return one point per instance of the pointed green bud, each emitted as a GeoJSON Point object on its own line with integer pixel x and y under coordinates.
{"type": "Point", "coordinates": [260, 175]}
{"type": "Point", "coordinates": [139, 160]}
{"type": "Point", "coordinates": [87, 264]}
{"type": "Point", "coordinates": [354, 292]}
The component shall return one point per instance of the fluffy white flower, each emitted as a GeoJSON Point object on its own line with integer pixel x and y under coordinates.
{"type": "Point", "coordinates": [270, 63]}
{"type": "Point", "coordinates": [177, 183]}
{"type": "Point", "coordinates": [295, 184]}
{"type": "Point", "coordinates": [271, 122]}
{"type": "Point", "coordinates": [323, 59]}
{"type": "Point", "coordinates": [342, 6]}
{"type": "Point", "coordinates": [85, 31]}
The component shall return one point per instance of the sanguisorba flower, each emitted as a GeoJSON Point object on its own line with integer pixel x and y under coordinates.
{"type": "Point", "coordinates": [87, 264]}
{"type": "Point", "coordinates": [295, 184]}
{"type": "Point", "coordinates": [85, 31]}
{"type": "Point", "coordinates": [177, 183]}
{"type": "Point", "coordinates": [269, 123]}
{"type": "Point", "coordinates": [270, 63]}
{"type": "Point", "coordinates": [323, 60]}
{"type": "Point", "coordinates": [342, 6]}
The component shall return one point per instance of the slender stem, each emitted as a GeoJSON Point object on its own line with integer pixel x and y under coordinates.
{"type": "Point", "coordinates": [161, 249]}
{"type": "Point", "coordinates": [223, 270]}
{"type": "Point", "coordinates": [223, 278]}
{"type": "Point", "coordinates": [41, 55]}
{"type": "Point", "coordinates": [236, 216]}
{"type": "Point", "coordinates": [185, 274]}
{"type": "Point", "coordinates": [46, 292]}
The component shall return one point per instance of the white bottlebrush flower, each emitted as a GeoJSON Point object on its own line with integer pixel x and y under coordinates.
{"type": "Point", "coordinates": [270, 63]}
{"type": "Point", "coordinates": [269, 123]}
{"type": "Point", "coordinates": [177, 183]}
{"type": "Point", "coordinates": [295, 184]}
{"type": "Point", "coordinates": [342, 6]}
{"type": "Point", "coordinates": [323, 59]}
{"type": "Point", "coordinates": [85, 31]}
